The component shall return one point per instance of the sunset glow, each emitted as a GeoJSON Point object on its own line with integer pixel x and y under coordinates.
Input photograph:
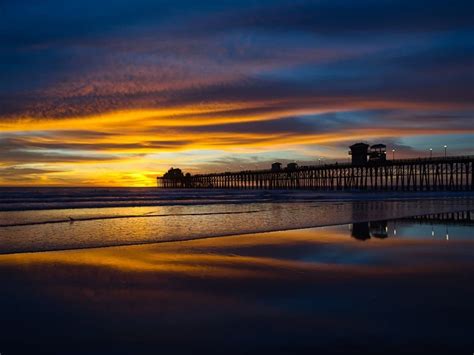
{"type": "Point", "coordinates": [117, 97]}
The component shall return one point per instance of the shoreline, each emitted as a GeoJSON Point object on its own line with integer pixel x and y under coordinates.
{"type": "Point", "coordinates": [352, 220]}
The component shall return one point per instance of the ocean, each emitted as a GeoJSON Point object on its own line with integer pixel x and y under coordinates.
{"type": "Point", "coordinates": [40, 219]}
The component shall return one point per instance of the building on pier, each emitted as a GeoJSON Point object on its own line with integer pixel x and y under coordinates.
{"type": "Point", "coordinates": [359, 153]}
{"type": "Point", "coordinates": [276, 166]}
{"type": "Point", "coordinates": [378, 153]}
{"type": "Point", "coordinates": [363, 153]}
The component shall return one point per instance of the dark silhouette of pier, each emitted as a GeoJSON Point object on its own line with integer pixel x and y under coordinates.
{"type": "Point", "coordinates": [369, 170]}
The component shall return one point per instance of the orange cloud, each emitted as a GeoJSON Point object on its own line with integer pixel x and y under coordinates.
{"type": "Point", "coordinates": [132, 147]}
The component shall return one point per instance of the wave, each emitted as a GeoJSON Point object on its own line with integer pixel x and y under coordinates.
{"type": "Point", "coordinates": [73, 198]}
{"type": "Point", "coordinates": [145, 215]}
{"type": "Point", "coordinates": [23, 199]}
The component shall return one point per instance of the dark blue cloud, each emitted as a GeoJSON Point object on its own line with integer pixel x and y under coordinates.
{"type": "Point", "coordinates": [71, 58]}
{"type": "Point", "coordinates": [348, 16]}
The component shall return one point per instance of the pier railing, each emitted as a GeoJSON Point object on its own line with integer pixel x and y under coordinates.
{"type": "Point", "coordinates": [421, 174]}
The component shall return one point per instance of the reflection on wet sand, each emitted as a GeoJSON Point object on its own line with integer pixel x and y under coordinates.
{"type": "Point", "coordinates": [280, 292]}
{"type": "Point", "coordinates": [366, 230]}
{"type": "Point", "coordinates": [383, 229]}
{"type": "Point", "coordinates": [27, 231]}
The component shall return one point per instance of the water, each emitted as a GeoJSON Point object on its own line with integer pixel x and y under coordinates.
{"type": "Point", "coordinates": [40, 219]}
{"type": "Point", "coordinates": [44, 198]}
{"type": "Point", "coordinates": [380, 286]}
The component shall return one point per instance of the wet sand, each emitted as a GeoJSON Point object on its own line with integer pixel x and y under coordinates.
{"type": "Point", "coordinates": [45, 230]}
{"type": "Point", "coordinates": [288, 292]}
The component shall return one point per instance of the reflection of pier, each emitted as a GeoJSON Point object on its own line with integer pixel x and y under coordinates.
{"type": "Point", "coordinates": [379, 229]}
{"type": "Point", "coordinates": [464, 218]}
{"type": "Point", "coordinates": [367, 230]}
{"type": "Point", "coordinates": [431, 174]}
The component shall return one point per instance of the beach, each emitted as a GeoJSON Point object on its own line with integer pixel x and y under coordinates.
{"type": "Point", "coordinates": [46, 219]}
{"type": "Point", "coordinates": [378, 280]}
{"type": "Point", "coordinates": [299, 291]}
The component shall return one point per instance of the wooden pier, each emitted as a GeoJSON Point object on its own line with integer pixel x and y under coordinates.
{"type": "Point", "coordinates": [455, 173]}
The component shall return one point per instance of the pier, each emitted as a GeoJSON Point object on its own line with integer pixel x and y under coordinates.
{"type": "Point", "coordinates": [369, 170]}
{"type": "Point", "coordinates": [454, 173]}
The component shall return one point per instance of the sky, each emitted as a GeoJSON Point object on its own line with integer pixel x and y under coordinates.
{"type": "Point", "coordinates": [114, 93]}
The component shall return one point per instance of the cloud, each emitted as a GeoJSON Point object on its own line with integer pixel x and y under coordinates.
{"type": "Point", "coordinates": [137, 85]}
{"type": "Point", "coordinates": [109, 57]}
{"type": "Point", "coordinates": [13, 175]}
{"type": "Point", "coordinates": [346, 16]}
{"type": "Point", "coordinates": [22, 150]}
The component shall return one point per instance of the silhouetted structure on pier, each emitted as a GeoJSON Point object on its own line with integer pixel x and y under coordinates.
{"type": "Point", "coordinates": [276, 166]}
{"type": "Point", "coordinates": [362, 153]}
{"type": "Point", "coordinates": [369, 170]}
{"type": "Point", "coordinates": [378, 153]}
{"type": "Point", "coordinates": [359, 153]}
{"type": "Point", "coordinates": [174, 178]}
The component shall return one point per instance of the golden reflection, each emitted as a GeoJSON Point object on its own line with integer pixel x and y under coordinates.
{"type": "Point", "coordinates": [211, 256]}
{"type": "Point", "coordinates": [229, 257]}
{"type": "Point", "coordinates": [205, 272]}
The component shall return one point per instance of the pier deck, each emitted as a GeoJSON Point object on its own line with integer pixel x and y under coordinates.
{"type": "Point", "coordinates": [422, 174]}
